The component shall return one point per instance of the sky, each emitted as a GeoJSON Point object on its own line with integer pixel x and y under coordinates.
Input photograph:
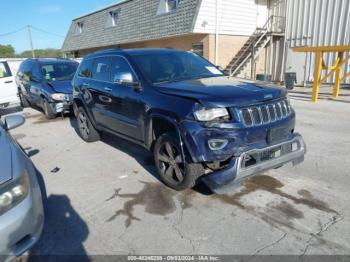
{"type": "Point", "coordinates": [53, 16]}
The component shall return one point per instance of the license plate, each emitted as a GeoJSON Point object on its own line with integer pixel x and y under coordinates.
{"type": "Point", "coordinates": [278, 134]}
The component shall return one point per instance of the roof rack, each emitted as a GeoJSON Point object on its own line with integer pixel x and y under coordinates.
{"type": "Point", "coordinates": [107, 50]}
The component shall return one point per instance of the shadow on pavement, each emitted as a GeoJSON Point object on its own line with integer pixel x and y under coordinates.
{"type": "Point", "coordinates": [64, 230]}
{"type": "Point", "coordinates": [7, 111]}
{"type": "Point", "coordinates": [140, 154]}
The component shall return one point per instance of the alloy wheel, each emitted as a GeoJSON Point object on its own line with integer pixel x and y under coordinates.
{"type": "Point", "coordinates": [170, 163]}
{"type": "Point", "coordinates": [83, 125]}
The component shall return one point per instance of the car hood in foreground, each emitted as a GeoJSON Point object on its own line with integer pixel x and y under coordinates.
{"type": "Point", "coordinates": [6, 157]}
{"type": "Point", "coordinates": [61, 86]}
{"type": "Point", "coordinates": [223, 91]}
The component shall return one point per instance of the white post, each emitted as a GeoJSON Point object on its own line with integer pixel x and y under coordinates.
{"type": "Point", "coordinates": [217, 34]}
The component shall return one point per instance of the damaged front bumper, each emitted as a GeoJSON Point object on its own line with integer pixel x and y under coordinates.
{"type": "Point", "coordinates": [62, 106]}
{"type": "Point", "coordinates": [255, 161]}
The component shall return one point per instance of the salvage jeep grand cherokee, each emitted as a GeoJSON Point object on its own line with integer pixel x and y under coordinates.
{"type": "Point", "coordinates": [199, 123]}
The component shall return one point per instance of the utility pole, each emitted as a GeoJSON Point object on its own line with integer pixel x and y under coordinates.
{"type": "Point", "coordinates": [31, 41]}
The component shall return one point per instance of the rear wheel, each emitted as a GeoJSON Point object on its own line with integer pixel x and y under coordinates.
{"type": "Point", "coordinates": [174, 171]}
{"type": "Point", "coordinates": [86, 130]}
{"type": "Point", "coordinates": [49, 113]}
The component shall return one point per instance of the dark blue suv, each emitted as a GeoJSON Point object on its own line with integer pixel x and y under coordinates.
{"type": "Point", "coordinates": [199, 123]}
{"type": "Point", "coordinates": [46, 83]}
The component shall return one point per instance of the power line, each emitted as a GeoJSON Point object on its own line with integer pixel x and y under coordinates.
{"type": "Point", "coordinates": [46, 32]}
{"type": "Point", "coordinates": [13, 32]}
{"type": "Point", "coordinates": [33, 27]}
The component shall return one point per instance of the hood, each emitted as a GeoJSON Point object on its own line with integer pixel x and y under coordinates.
{"type": "Point", "coordinates": [6, 157]}
{"type": "Point", "coordinates": [223, 91]}
{"type": "Point", "coordinates": [61, 86]}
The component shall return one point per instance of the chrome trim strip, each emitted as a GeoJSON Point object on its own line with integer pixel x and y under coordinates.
{"type": "Point", "coordinates": [280, 110]}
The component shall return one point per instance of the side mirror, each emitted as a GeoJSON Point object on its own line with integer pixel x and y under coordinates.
{"type": "Point", "coordinates": [126, 78]}
{"type": "Point", "coordinates": [12, 122]}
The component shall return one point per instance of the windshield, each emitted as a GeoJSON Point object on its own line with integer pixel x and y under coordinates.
{"type": "Point", "coordinates": [174, 66]}
{"type": "Point", "coordinates": [59, 71]}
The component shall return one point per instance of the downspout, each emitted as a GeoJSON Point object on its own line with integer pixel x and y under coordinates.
{"type": "Point", "coordinates": [217, 34]}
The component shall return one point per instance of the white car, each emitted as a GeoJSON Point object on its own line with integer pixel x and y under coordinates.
{"type": "Point", "coordinates": [8, 88]}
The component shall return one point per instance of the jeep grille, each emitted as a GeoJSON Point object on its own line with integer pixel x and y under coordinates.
{"type": "Point", "coordinates": [264, 114]}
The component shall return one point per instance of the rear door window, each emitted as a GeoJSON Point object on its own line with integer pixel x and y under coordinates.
{"type": "Point", "coordinates": [4, 70]}
{"type": "Point", "coordinates": [101, 69]}
{"type": "Point", "coordinates": [24, 70]}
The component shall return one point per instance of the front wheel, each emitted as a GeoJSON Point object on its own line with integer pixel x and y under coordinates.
{"type": "Point", "coordinates": [49, 113]}
{"type": "Point", "coordinates": [174, 171]}
{"type": "Point", "coordinates": [86, 130]}
{"type": "Point", "coordinates": [23, 99]}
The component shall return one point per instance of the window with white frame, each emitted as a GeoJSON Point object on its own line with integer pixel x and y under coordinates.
{"type": "Point", "coordinates": [112, 18]}
{"type": "Point", "coordinates": [79, 28]}
{"type": "Point", "coordinates": [167, 6]}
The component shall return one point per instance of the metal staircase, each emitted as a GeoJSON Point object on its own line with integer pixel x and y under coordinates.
{"type": "Point", "coordinates": [255, 43]}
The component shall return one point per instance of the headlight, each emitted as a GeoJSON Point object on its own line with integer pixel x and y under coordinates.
{"type": "Point", "coordinates": [13, 193]}
{"type": "Point", "coordinates": [60, 97]}
{"type": "Point", "coordinates": [209, 114]}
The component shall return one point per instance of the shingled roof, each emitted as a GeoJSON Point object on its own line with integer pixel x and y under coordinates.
{"type": "Point", "coordinates": [137, 21]}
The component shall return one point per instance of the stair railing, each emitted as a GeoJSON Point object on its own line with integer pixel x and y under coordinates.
{"type": "Point", "coordinates": [262, 33]}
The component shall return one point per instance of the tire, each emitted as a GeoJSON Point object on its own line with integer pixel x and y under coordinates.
{"type": "Point", "coordinates": [23, 99]}
{"type": "Point", "coordinates": [86, 130]}
{"type": "Point", "coordinates": [49, 113]}
{"type": "Point", "coordinates": [173, 171]}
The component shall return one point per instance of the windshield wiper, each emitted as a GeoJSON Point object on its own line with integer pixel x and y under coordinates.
{"type": "Point", "coordinates": [186, 78]}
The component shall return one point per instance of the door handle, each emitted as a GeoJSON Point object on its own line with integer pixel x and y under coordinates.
{"type": "Point", "coordinates": [108, 89]}
{"type": "Point", "coordinates": [86, 85]}
{"type": "Point", "coordinates": [8, 82]}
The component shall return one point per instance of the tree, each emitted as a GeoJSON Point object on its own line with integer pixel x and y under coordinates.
{"type": "Point", "coordinates": [43, 53]}
{"type": "Point", "coordinates": [7, 51]}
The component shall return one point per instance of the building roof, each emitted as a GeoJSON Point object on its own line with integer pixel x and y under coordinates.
{"type": "Point", "coordinates": [137, 21]}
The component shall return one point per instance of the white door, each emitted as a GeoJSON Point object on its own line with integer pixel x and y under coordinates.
{"type": "Point", "coordinates": [8, 89]}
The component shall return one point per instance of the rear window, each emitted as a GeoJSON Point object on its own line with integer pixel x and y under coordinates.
{"type": "Point", "coordinates": [4, 70]}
